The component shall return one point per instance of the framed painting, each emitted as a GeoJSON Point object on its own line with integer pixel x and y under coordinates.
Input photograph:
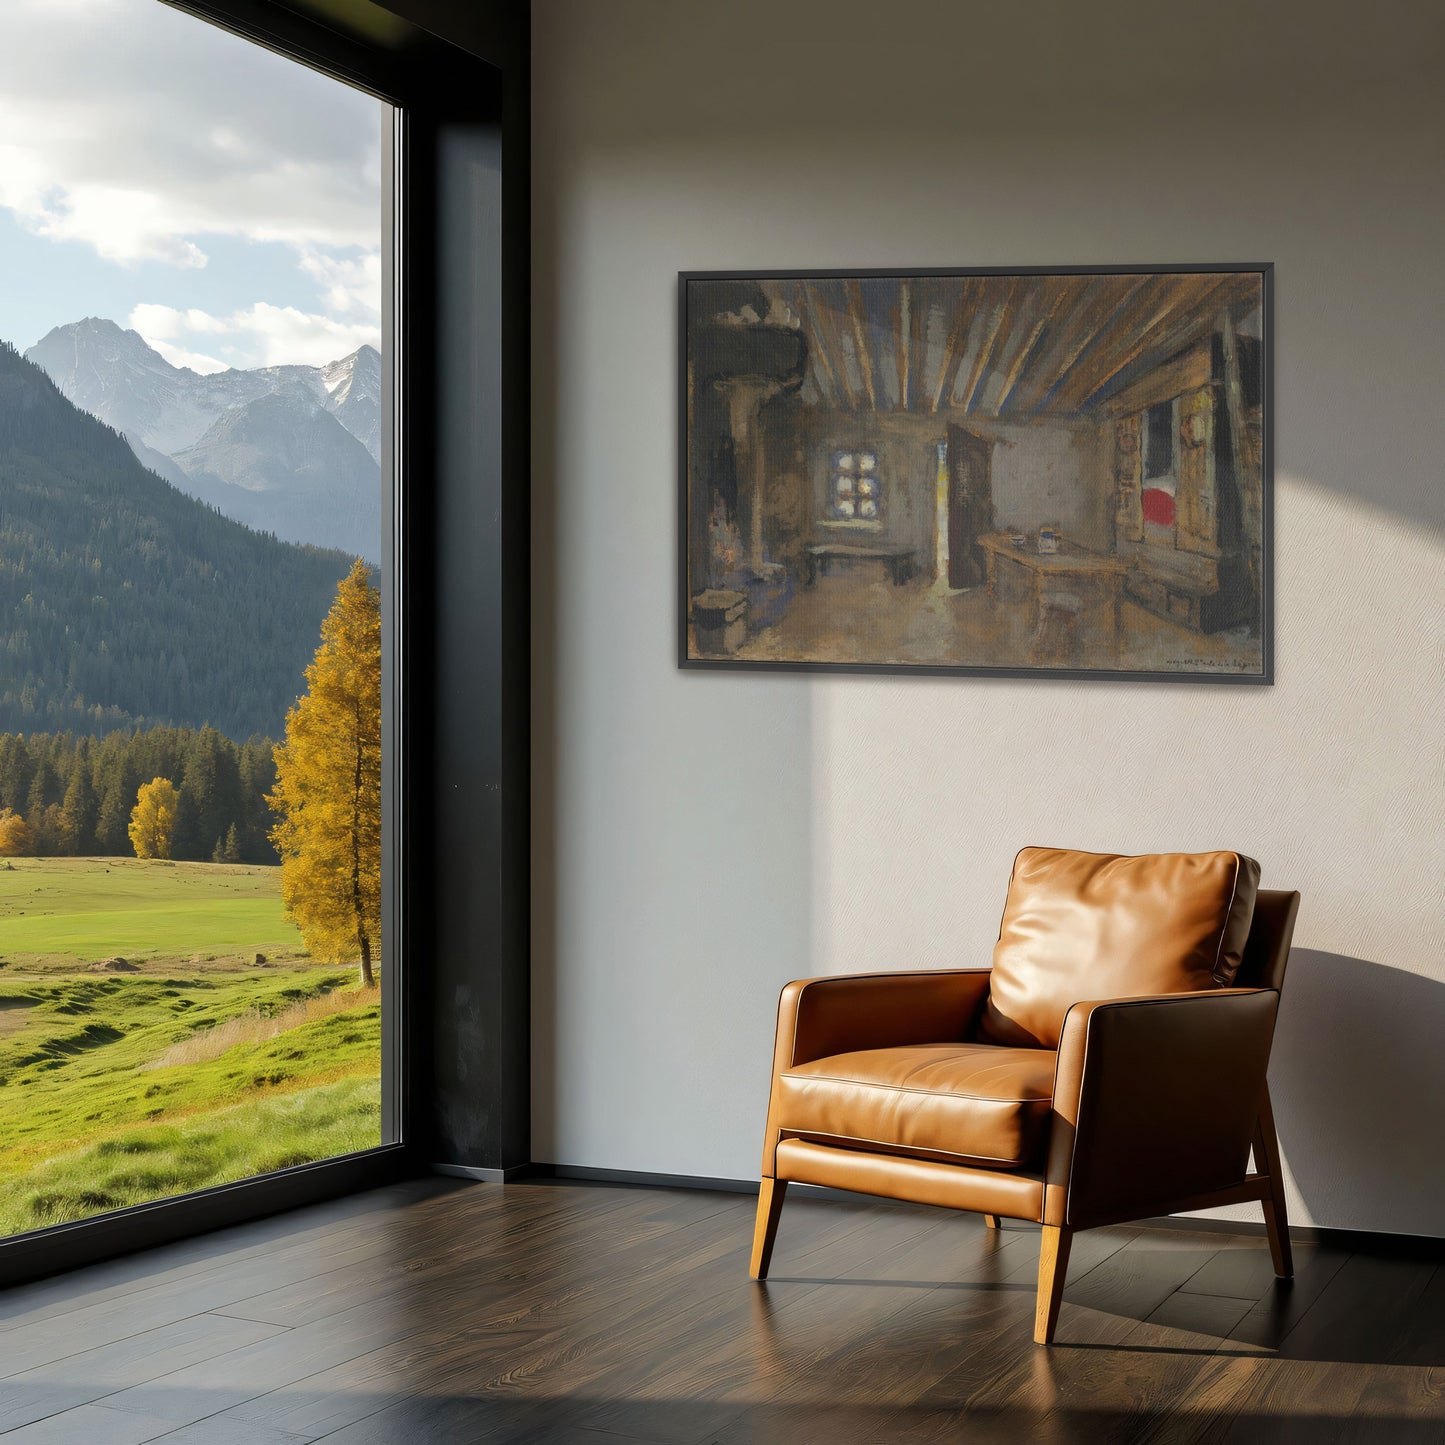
{"type": "Point", "coordinates": [1059, 472]}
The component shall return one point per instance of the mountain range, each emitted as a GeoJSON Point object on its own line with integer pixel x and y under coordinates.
{"type": "Point", "coordinates": [291, 450]}
{"type": "Point", "coordinates": [125, 602]}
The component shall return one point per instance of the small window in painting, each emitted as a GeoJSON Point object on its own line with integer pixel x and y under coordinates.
{"type": "Point", "coordinates": [857, 489]}
{"type": "Point", "coordinates": [1159, 440]}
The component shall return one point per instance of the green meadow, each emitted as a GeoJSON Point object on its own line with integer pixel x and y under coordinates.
{"type": "Point", "coordinates": [162, 1030]}
{"type": "Point", "coordinates": [74, 911]}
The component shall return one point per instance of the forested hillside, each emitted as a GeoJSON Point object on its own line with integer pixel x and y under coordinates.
{"type": "Point", "coordinates": [125, 603]}
{"type": "Point", "coordinates": [75, 794]}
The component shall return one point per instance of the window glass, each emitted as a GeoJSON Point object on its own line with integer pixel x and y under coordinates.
{"type": "Point", "coordinates": [191, 554]}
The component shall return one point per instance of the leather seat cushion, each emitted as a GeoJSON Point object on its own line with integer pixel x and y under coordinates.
{"type": "Point", "coordinates": [1079, 926]}
{"type": "Point", "coordinates": [965, 1103]}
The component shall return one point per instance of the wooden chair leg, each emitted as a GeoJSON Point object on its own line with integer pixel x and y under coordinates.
{"type": "Point", "coordinates": [991, 1221]}
{"type": "Point", "coordinates": [1266, 1160]}
{"type": "Point", "coordinates": [765, 1230]}
{"type": "Point", "coordinates": [1053, 1266]}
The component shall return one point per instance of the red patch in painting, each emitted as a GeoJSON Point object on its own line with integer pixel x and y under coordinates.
{"type": "Point", "coordinates": [1158, 507]}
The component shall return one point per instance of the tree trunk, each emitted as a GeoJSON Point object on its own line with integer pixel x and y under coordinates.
{"type": "Point", "coordinates": [368, 979]}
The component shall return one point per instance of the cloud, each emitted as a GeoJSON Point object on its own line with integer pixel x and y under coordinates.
{"type": "Point", "coordinates": [349, 284]}
{"type": "Point", "coordinates": [141, 131]}
{"type": "Point", "coordinates": [257, 335]}
{"type": "Point", "coordinates": [168, 322]}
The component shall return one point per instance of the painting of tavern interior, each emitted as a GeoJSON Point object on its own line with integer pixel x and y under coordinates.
{"type": "Point", "coordinates": [1032, 471]}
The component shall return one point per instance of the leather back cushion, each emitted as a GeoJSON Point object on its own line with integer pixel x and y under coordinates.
{"type": "Point", "coordinates": [1095, 925]}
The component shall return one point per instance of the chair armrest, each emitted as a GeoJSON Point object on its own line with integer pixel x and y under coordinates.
{"type": "Point", "coordinates": [819, 1017]}
{"type": "Point", "coordinates": [1155, 1101]}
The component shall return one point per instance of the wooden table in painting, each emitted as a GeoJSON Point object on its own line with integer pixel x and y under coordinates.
{"type": "Point", "coordinates": [819, 556]}
{"type": "Point", "coordinates": [1089, 584]}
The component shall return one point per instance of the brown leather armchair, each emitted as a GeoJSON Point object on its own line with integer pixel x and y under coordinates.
{"type": "Point", "coordinates": [1110, 1066]}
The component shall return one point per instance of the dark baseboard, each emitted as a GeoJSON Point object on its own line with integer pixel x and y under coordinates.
{"type": "Point", "coordinates": [1360, 1241]}
{"type": "Point", "coordinates": [641, 1179]}
{"type": "Point", "coordinates": [143, 1226]}
{"type": "Point", "coordinates": [481, 1175]}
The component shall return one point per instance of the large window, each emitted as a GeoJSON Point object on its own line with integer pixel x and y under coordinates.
{"type": "Point", "coordinates": [193, 559]}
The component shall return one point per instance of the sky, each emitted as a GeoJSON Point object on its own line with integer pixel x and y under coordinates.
{"type": "Point", "coordinates": [155, 170]}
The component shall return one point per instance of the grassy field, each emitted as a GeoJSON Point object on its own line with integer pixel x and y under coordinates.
{"type": "Point", "coordinates": [79, 910]}
{"type": "Point", "coordinates": [196, 1066]}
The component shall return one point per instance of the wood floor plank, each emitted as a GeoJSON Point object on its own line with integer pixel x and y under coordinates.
{"type": "Point", "coordinates": [574, 1369]}
{"type": "Point", "coordinates": [92, 1326]}
{"type": "Point", "coordinates": [1421, 1330]}
{"type": "Point", "coordinates": [225, 1250]}
{"type": "Point", "coordinates": [1357, 1314]}
{"type": "Point", "coordinates": [1398, 1383]}
{"type": "Point", "coordinates": [1110, 1371]}
{"type": "Point", "coordinates": [1205, 1317]}
{"type": "Point", "coordinates": [219, 1430]}
{"type": "Point", "coordinates": [93, 1425]}
{"type": "Point", "coordinates": [95, 1374]}
{"type": "Point", "coordinates": [443, 1255]}
{"type": "Point", "coordinates": [973, 1326]}
{"type": "Point", "coordinates": [1332, 1376]}
{"type": "Point", "coordinates": [1132, 1283]}
{"type": "Point", "coordinates": [767, 1343]}
{"type": "Point", "coordinates": [1286, 1302]}
{"type": "Point", "coordinates": [1242, 1269]}
{"type": "Point", "coordinates": [895, 1345]}
{"type": "Point", "coordinates": [215, 1384]}
{"type": "Point", "coordinates": [534, 1315]}
{"type": "Point", "coordinates": [321, 1403]}
{"type": "Point", "coordinates": [569, 1312]}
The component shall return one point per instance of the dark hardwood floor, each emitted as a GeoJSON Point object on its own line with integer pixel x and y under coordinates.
{"type": "Point", "coordinates": [550, 1312]}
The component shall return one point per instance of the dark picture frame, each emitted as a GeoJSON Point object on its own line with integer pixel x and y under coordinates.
{"type": "Point", "coordinates": [1059, 472]}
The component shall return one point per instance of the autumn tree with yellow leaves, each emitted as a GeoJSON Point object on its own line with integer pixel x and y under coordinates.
{"type": "Point", "coordinates": [14, 834]}
{"type": "Point", "coordinates": [153, 819]}
{"type": "Point", "coordinates": [327, 797]}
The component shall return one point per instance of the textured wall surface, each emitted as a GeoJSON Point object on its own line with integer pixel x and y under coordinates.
{"type": "Point", "coordinates": [701, 838]}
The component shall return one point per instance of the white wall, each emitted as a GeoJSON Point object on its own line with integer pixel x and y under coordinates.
{"type": "Point", "coordinates": [703, 837]}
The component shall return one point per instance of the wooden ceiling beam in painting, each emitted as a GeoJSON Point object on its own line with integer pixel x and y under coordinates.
{"type": "Point", "coordinates": [824, 378]}
{"type": "Point", "coordinates": [1171, 330]}
{"type": "Point", "coordinates": [1095, 360]}
{"type": "Point", "coordinates": [1003, 302]}
{"type": "Point", "coordinates": [859, 321]}
{"type": "Point", "coordinates": [1099, 299]}
{"type": "Point", "coordinates": [957, 340]}
{"type": "Point", "coordinates": [1017, 347]}
{"type": "Point", "coordinates": [1179, 309]}
{"type": "Point", "coordinates": [918, 344]}
{"type": "Point", "coordinates": [1065, 294]}
{"type": "Point", "coordinates": [902, 330]}
{"type": "Point", "coordinates": [821, 321]}
{"type": "Point", "coordinates": [1189, 324]}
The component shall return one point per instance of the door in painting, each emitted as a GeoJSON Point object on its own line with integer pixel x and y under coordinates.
{"type": "Point", "coordinates": [970, 505]}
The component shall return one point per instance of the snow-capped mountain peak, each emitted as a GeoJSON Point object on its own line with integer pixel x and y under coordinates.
{"type": "Point", "coordinates": [362, 368]}
{"type": "Point", "coordinates": [116, 375]}
{"type": "Point", "coordinates": [354, 386]}
{"type": "Point", "coordinates": [282, 448]}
